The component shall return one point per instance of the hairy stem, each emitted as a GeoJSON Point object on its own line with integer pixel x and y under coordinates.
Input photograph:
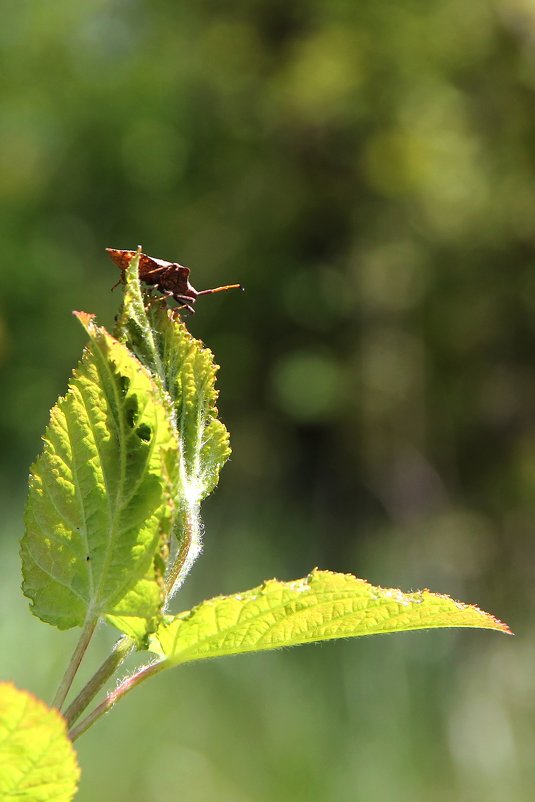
{"type": "Point", "coordinates": [125, 687]}
{"type": "Point", "coordinates": [184, 554]}
{"type": "Point", "coordinates": [74, 662]}
{"type": "Point", "coordinates": [123, 647]}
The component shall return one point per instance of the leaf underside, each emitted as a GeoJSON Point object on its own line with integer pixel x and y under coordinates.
{"type": "Point", "coordinates": [190, 374]}
{"type": "Point", "coordinates": [37, 759]}
{"type": "Point", "coordinates": [186, 372]}
{"type": "Point", "coordinates": [100, 505]}
{"type": "Point", "coordinates": [322, 606]}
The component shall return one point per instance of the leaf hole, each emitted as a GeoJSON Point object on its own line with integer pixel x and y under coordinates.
{"type": "Point", "coordinates": [131, 411]}
{"type": "Point", "coordinates": [144, 432]}
{"type": "Point", "coordinates": [131, 415]}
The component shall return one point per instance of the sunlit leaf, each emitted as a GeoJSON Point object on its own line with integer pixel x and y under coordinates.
{"type": "Point", "coordinates": [322, 606]}
{"type": "Point", "coordinates": [133, 327]}
{"type": "Point", "coordinates": [100, 505]}
{"type": "Point", "coordinates": [37, 760]}
{"type": "Point", "coordinates": [186, 372]}
{"type": "Point", "coordinates": [190, 374]}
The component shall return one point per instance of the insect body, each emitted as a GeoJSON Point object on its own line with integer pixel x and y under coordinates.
{"type": "Point", "coordinates": [170, 278]}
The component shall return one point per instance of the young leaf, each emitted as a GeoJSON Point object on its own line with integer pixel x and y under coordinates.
{"type": "Point", "coordinates": [100, 505]}
{"type": "Point", "coordinates": [186, 372]}
{"type": "Point", "coordinates": [322, 606]}
{"type": "Point", "coordinates": [37, 760]}
{"type": "Point", "coordinates": [133, 327]}
{"type": "Point", "coordinates": [190, 374]}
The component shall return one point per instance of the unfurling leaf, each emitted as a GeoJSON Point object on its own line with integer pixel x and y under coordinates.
{"type": "Point", "coordinates": [190, 375]}
{"type": "Point", "coordinates": [186, 373]}
{"type": "Point", "coordinates": [100, 506]}
{"type": "Point", "coordinates": [133, 326]}
{"type": "Point", "coordinates": [322, 606]}
{"type": "Point", "coordinates": [37, 760]}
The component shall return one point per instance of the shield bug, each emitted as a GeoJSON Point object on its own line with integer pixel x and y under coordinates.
{"type": "Point", "coordinates": [169, 278]}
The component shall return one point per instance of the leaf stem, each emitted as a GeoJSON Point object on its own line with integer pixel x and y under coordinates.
{"type": "Point", "coordinates": [74, 663]}
{"type": "Point", "coordinates": [123, 647]}
{"type": "Point", "coordinates": [189, 527]}
{"type": "Point", "coordinates": [114, 696]}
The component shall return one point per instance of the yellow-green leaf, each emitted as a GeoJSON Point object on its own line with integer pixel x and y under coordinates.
{"type": "Point", "coordinates": [186, 372]}
{"type": "Point", "coordinates": [190, 374]}
{"type": "Point", "coordinates": [100, 506]}
{"type": "Point", "coordinates": [322, 606]}
{"type": "Point", "coordinates": [37, 760]}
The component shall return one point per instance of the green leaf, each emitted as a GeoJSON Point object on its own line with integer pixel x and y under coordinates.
{"type": "Point", "coordinates": [100, 505]}
{"type": "Point", "coordinates": [186, 372]}
{"type": "Point", "coordinates": [190, 374]}
{"type": "Point", "coordinates": [134, 328]}
{"type": "Point", "coordinates": [322, 606]}
{"type": "Point", "coordinates": [37, 760]}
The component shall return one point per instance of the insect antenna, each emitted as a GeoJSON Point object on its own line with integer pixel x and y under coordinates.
{"type": "Point", "coordinates": [219, 289]}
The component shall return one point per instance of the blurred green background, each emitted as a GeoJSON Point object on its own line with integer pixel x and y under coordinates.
{"type": "Point", "coordinates": [367, 171]}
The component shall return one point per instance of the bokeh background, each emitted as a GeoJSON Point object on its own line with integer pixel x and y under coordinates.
{"type": "Point", "coordinates": [367, 171]}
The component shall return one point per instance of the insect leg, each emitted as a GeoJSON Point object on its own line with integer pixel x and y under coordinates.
{"type": "Point", "coordinates": [117, 284]}
{"type": "Point", "coordinates": [153, 272]}
{"type": "Point", "coordinates": [164, 296]}
{"type": "Point", "coordinates": [185, 303]}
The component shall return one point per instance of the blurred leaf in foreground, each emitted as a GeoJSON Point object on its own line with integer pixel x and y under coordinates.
{"type": "Point", "coordinates": [37, 760]}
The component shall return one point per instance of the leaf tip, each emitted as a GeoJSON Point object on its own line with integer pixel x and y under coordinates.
{"type": "Point", "coordinates": [85, 318]}
{"type": "Point", "coordinates": [491, 621]}
{"type": "Point", "coordinates": [501, 626]}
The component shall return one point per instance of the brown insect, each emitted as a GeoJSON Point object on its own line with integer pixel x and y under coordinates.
{"type": "Point", "coordinates": [170, 278]}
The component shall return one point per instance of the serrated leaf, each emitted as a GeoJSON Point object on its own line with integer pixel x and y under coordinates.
{"type": "Point", "coordinates": [37, 760]}
{"type": "Point", "coordinates": [322, 606]}
{"type": "Point", "coordinates": [100, 505]}
{"type": "Point", "coordinates": [133, 327]}
{"type": "Point", "coordinates": [204, 441]}
{"type": "Point", "coordinates": [186, 372]}
{"type": "Point", "coordinates": [190, 374]}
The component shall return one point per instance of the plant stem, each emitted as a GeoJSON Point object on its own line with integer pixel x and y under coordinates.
{"type": "Point", "coordinates": [74, 662]}
{"type": "Point", "coordinates": [123, 647]}
{"type": "Point", "coordinates": [189, 529]}
{"type": "Point", "coordinates": [131, 682]}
